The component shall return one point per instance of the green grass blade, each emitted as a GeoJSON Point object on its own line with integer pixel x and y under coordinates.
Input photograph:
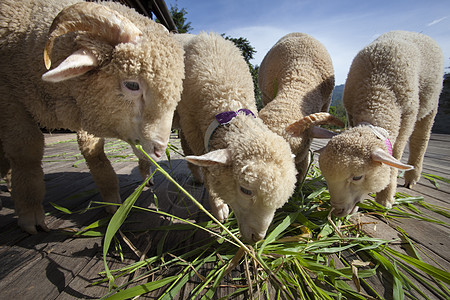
{"type": "Point", "coordinates": [141, 289]}
{"type": "Point", "coordinates": [434, 179]}
{"type": "Point", "coordinates": [62, 209]}
{"type": "Point", "coordinates": [398, 283]}
{"type": "Point", "coordinates": [116, 221]}
{"type": "Point", "coordinates": [278, 230]}
{"type": "Point", "coordinates": [94, 225]}
{"type": "Point", "coordinates": [427, 268]}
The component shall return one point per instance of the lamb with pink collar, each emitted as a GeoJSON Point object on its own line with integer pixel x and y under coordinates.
{"type": "Point", "coordinates": [391, 95]}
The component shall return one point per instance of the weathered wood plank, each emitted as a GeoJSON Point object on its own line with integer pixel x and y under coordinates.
{"type": "Point", "coordinates": [385, 229]}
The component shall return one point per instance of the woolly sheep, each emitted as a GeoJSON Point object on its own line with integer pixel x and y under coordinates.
{"type": "Point", "coordinates": [119, 75]}
{"type": "Point", "coordinates": [244, 164]}
{"type": "Point", "coordinates": [296, 78]}
{"type": "Point", "coordinates": [391, 95]}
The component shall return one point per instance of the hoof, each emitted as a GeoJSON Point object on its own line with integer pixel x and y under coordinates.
{"type": "Point", "coordinates": [30, 222]}
{"type": "Point", "coordinates": [111, 209]}
{"type": "Point", "coordinates": [151, 182]}
{"type": "Point", "coordinates": [221, 212]}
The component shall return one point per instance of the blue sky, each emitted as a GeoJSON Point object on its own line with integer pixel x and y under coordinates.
{"type": "Point", "coordinates": [344, 27]}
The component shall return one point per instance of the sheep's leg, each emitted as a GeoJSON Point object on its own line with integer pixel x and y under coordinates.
{"type": "Point", "coordinates": [145, 168]}
{"type": "Point", "coordinates": [195, 170]}
{"type": "Point", "coordinates": [5, 169]}
{"type": "Point", "coordinates": [302, 167]}
{"type": "Point", "coordinates": [23, 146]}
{"type": "Point", "coordinates": [101, 170]}
{"type": "Point", "coordinates": [417, 146]}
{"type": "Point", "coordinates": [386, 196]}
{"type": "Point", "coordinates": [350, 122]}
{"type": "Point", "coordinates": [219, 208]}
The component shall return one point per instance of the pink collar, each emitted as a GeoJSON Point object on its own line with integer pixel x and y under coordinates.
{"type": "Point", "coordinates": [388, 144]}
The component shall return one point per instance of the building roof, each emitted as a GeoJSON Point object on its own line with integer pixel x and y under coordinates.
{"type": "Point", "coordinates": [154, 9]}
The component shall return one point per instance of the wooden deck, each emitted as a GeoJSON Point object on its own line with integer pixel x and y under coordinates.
{"type": "Point", "coordinates": [55, 265]}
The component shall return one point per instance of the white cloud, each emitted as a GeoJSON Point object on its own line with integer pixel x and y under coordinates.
{"type": "Point", "coordinates": [436, 21]}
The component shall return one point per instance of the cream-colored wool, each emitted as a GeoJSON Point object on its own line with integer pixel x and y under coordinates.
{"type": "Point", "coordinates": [122, 86]}
{"type": "Point", "coordinates": [296, 79]}
{"type": "Point", "coordinates": [394, 83]}
{"type": "Point", "coordinates": [248, 167]}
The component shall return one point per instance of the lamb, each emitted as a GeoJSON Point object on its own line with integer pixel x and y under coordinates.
{"type": "Point", "coordinates": [391, 95]}
{"type": "Point", "coordinates": [296, 79]}
{"type": "Point", "coordinates": [244, 164]}
{"type": "Point", "coordinates": [118, 75]}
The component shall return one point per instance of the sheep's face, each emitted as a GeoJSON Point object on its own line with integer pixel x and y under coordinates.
{"type": "Point", "coordinates": [349, 186]}
{"type": "Point", "coordinates": [254, 176]}
{"type": "Point", "coordinates": [254, 192]}
{"type": "Point", "coordinates": [351, 172]}
{"type": "Point", "coordinates": [139, 90]}
{"type": "Point", "coordinates": [128, 79]}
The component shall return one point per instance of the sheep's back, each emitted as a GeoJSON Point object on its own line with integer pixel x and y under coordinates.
{"type": "Point", "coordinates": [296, 65]}
{"type": "Point", "coordinates": [399, 71]}
{"type": "Point", "coordinates": [24, 29]}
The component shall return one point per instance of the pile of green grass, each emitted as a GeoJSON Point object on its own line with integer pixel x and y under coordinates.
{"type": "Point", "coordinates": [307, 253]}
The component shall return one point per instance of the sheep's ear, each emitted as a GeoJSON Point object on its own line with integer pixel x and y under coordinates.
{"type": "Point", "coordinates": [78, 63]}
{"type": "Point", "coordinates": [221, 156]}
{"type": "Point", "coordinates": [320, 118]}
{"type": "Point", "coordinates": [320, 133]}
{"type": "Point", "coordinates": [320, 150]}
{"type": "Point", "coordinates": [385, 158]}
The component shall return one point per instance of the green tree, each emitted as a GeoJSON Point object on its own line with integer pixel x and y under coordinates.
{"type": "Point", "coordinates": [337, 109]}
{"type": "Point", "coordinates": [179, 18]}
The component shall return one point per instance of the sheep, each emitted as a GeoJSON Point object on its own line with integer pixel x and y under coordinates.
{"type": "Point", "coordinates": [391, 95]}
{"type": "Point", "coordinates": [118, 75]}
{"type": "Point", "coordinates": [243, 163]}
{"type": "Point", "coordinates": [296, 79]}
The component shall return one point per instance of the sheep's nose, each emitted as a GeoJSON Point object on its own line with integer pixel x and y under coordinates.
{"type": "Point", "coordinates": [338, 212]}
{"type": "Point", "coordinates": [159, 149]}
{"type": "Point", "coordinates": [257, 237]}
{"type": "Point", "coordinates": [158, 152]}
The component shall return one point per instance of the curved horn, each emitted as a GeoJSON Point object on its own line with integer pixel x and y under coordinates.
{"type": "Point", "coordinates": [313, 119]}
{"type": "Point", "coordinates": [93, 18]}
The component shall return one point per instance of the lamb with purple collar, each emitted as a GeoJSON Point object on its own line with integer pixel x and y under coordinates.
{"type": "Point", "coordinates": [243, 163]}
{"type": "Point", "coordinates": [391, 95]}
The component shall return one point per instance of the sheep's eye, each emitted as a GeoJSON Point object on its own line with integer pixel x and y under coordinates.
{"type": "Point", "coordinates": [131, 85]}
{"type": "Point", "coordinates": [246, 192]}
{"type": "Point", "coordinates": [356, 178]}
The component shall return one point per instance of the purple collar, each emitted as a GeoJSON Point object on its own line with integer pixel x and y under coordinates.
{"type": "Point", "coordinates": [382, 134]}
{"type": "Point", "coordinates": [222, 119]}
